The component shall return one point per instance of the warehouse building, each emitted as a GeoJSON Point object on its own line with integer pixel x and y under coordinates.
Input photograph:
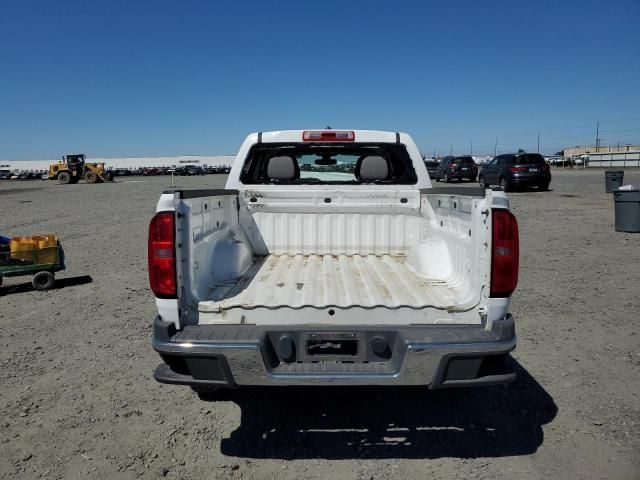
{"type": "Point", "coordinates": [586, 149]}
{"type": "Point", "coordinates": [621, 156]}
{"type": "Point", "coordinates": [608, 160]}
{"type": "Point", "coordinates": [129, 163]}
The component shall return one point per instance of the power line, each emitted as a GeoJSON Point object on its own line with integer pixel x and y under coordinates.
{"type": "Point", "coordinates": [622, 131]}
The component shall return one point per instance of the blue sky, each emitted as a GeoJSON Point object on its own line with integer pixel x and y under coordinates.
{"type": "Point", "coordinates": [135, 78]}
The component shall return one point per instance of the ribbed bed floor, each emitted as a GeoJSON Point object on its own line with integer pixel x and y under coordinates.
{"type": "Point", "coordinates": [320, 281]}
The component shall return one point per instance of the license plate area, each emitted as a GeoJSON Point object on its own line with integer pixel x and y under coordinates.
{"type": "Point", "coordinates": [533, 169]}
{"type": "Point", "coordinates": [333, 346]}
{"type": "Point", "coordinates": [322, 346]}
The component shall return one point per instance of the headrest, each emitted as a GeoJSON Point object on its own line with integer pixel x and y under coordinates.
{"type": "Point", "coordinates": [283, 168]}
{"type": "Point", "coordinates": [372, 168]}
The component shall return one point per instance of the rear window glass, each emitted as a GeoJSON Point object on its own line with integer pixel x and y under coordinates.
{"type": "Point", "coordinates": [324, 163]}
{"type": "Point", "coordinates": [464, 161]}
{"type": "Point", "coordinates": [529, 159]}
{"type": "Point", "coordinates": [431, 164]}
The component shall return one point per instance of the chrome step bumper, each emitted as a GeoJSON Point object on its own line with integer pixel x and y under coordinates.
{"type": "Point", "coordinates": [237, 355]}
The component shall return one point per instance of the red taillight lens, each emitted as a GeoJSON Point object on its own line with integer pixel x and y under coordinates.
{"type": "Point", "coordinates": [162, 260]}
{"type": "Point", "coordinates": [544, 168]}
{"type": "Point", "coordinates": [328, 136]}
{"type": "Point", "coordinates": [453, 166]}
{"type": "Point", "coordinates": [505, 253]}
{"type": "Point", "coordinates": [518, 169]}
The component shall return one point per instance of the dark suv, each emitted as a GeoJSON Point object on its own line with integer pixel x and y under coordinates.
{"type": "Point", "coordinates": [516, 170]}
{"type": "Point", "coordinates": [432, 166]}
{"type": "Point", "coordinates": [194, 170]}
{"type": "Point", "coordinates": [458, 168]}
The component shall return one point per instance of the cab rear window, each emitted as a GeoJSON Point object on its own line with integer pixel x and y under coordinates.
{"type": "Point", "coordinates": [330, 163]}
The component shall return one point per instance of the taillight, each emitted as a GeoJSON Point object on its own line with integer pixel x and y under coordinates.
{"type": "Point", "coordinates": [453, 166]}
{"type": "Point", "coordinates": [505, 253]}
{"type": "Point", "coordinates": [544, 168]}
{"type": "Point", "coordinates": [519, 169]}
{"type": "Point", "coordinates": [328, 136]}
{"type": "Point", "coordinates": [162, 259]}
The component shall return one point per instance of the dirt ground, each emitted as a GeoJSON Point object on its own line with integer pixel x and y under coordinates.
{"type": "Point", "coordinates": [77, 399]}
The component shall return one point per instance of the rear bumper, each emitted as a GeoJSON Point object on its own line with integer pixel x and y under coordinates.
{"type": "Point", "coordinates": [437, 356]}
{"type": "Point", "coordinates": [531, 180]}
{"type": "Point", "coordinates": [470, 174]}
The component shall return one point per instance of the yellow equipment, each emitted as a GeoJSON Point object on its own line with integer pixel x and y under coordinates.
{"type": "Point", "coordinates": [40, 246]}
{"type": "Point", "coordinates": [73, 167]}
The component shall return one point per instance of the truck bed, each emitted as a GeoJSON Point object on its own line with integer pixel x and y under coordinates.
{"type": "Point", "coordinates": [321, 281]}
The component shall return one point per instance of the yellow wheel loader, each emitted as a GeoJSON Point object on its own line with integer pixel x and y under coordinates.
{"type": "Point", "coordinates": [74, 167]}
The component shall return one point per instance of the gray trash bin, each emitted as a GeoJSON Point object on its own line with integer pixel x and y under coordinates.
{"type": "Point", "coordinates": [613, 180]}
{"type": "Point", "coordinates": [627, 210]}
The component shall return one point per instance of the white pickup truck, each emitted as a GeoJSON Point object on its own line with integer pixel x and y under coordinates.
{"type": "Point", "coordinates": [328, 259]}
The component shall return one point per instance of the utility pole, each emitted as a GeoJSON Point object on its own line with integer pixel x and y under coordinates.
{"type": "Point", "coordinates": [538, 141]}
{"type": "Point", "coordinates": [472, 148]}
{"type": "Point", "coordinates": [434, 152]}
{"type": "Point", "coordinates": [597, 135]}
{"type": "Point", "coordinates": [451, 149]}
{"type": "Point", "coordinates": [495, 148]}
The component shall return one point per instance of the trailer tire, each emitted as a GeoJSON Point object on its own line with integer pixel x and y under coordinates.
{"type": "Point", "coordinates": [43, 281]}
{"type": "Point", "coordinates": [91, 177]}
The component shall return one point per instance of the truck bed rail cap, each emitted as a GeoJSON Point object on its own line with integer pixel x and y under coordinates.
{"type": "Point", "coordinates": [185, 194]}
{"type": "Point", "coordinates": [462, 191]}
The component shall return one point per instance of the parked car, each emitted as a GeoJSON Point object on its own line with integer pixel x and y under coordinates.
{"type": "Point", "coordinates": [432, 166]}
{"type": "Point", "coordinates": [514, 170]}
{"type": "Point", "coordinates": [5, 174]}
{"type": "Point", "coordinates": [194, 170]}
{"type": "Point", "coordinates": [458, 168]}
{"type": "Point", "coordinates": [332, 275]}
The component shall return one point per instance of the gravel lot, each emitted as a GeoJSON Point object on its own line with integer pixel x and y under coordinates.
{"type": "Point", "coordinates": [77, 399]}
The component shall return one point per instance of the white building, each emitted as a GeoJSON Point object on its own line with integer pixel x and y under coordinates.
{"type": "Point", "coordinates": [609, 160]}
{"type": "Point", "coordinates": [129, 163]}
